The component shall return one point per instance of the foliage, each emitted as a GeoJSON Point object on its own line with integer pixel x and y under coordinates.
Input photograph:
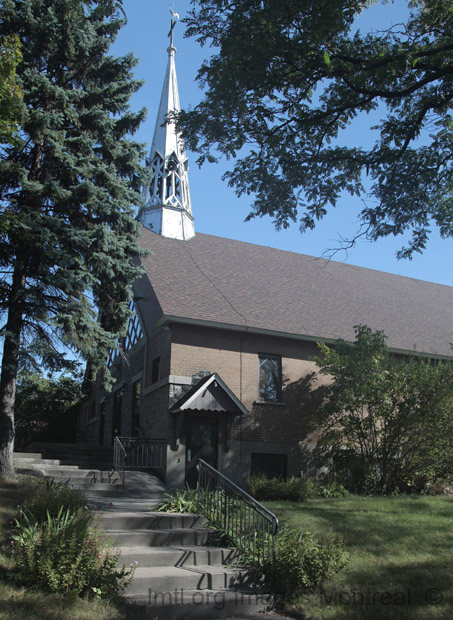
{"type": "Point", "coordinates": [59, 551]}
{"type": "Point", "coordinates": [302, 561]}
{"type": "Point", "coordinates": [287, 80]}
{"type": "Point", "coordinates": [44, 402]}
{"type": "Point", "coordinates": [262, 488]}
{"type": "Point", "coordinates": [44, 496]}
{"type": "Point", "coordinates": [10, 93]}
{"type": "Point", "coordinates": [293, 489]}
{"type": "Point", "coordinates": [329, 489]}
{"type": "Point", "coordinates": [439, 486]}
{"type": "Point", "coordinates": [387, 423]}
{"type": "Point", "coordinates": [180, 500]}
{"type": "Point", "coordinates": [67, 196]}
{"type": "Point", "coordinates": [18, 601]}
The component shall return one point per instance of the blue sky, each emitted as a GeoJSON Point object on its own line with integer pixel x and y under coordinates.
{"type": "Point", "coordinates": [216, 208]}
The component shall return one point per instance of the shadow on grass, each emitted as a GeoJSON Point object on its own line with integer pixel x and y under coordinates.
{"type": "Point", "coordinates": [413, 592]}
{"type": "Point", "coordinates": [401, 557]}
{"type": "Point", "coordinates": [364, 522]}
{"type": "Point", "coordinates": [17, 604]}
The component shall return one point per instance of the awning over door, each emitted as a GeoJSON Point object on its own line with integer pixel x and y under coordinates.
{"type": "Point", "coordinates": [210, 394]}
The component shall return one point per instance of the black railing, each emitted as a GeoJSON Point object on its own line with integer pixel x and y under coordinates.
{"type": "Point", "coordinates": [249, 524]}
{"type": "Point", "coordinates": [119, 458]}
{"type": "Point", "coordinates": [140, 453]}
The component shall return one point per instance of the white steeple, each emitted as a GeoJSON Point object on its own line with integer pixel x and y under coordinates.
{"type": "Point", "coordinates": [167, 209]}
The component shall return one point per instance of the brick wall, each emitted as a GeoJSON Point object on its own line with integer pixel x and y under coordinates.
{"type": "Point", "coordinates": [234, 356]}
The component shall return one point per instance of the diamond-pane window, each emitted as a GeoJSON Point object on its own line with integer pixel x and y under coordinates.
{"type": "Point", "coordinates": [133, 335]}
{"type": "Point", "coordinates": [113, 356]}
{"type": "Point", "coordinates": [134, 331]}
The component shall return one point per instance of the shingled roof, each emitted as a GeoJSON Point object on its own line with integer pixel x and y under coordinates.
{"type": "Point", "coordinates": [214, 281]}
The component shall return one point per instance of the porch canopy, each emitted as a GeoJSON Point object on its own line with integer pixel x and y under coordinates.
{"type": "Point", "coordinates": [210, 396]}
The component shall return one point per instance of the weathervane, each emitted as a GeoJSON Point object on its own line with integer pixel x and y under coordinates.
{"type": "Point", "coordinates": [174, 19]}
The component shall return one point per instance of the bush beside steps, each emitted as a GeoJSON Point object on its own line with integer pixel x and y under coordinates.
{"type": "Point", "coordinates": [56, 548]}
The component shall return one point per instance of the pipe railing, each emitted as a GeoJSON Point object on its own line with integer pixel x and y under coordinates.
{"type": "Point", "coordinates": [249, 524]}
{"type": "Point", "coordinates": [119, 458]}
{"type": "Point", "coordinates": [141, 453]}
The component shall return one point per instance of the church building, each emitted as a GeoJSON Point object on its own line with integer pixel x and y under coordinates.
{"type": "Point", "coordinates": [217, 361]}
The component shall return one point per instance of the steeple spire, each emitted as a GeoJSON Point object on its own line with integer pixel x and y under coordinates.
{"type": "Point", "coordinates": [167, 209]}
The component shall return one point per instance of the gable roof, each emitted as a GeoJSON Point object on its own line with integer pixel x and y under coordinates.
{"type": "Point", "coordinates": [219, 282]}
{"type": "Point", "coordinates": [210, 394]}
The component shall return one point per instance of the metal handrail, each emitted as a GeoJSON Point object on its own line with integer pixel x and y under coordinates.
{"type": "Point", "coordinates": [119, 458]}
{"type": "Point", "coordinates": [249, 524]}
{"type": "Point", "coordinates": [145, 453]}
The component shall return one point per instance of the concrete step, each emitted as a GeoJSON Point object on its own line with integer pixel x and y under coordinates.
{"type": "Point", "coordinates": [88, 455]}
{"type": "Point", "coordinates": [150, 521]}
{"type": "Point", "coordinates": [72, 470]}
{"type": "Point", "coordinates": [38, 461]}
{"type": "Point", "coordinates": [177, 556]}
{"type": "Point", "coordinates": [84, 484]}
{"type": "Point", "coordinates": [27, 455]}
{"type": "Point", "coordinates": [159, 538]}
{"type": "Point", "coordinates": [202, 577]}
{"type": "Point", "coordinates": [115, 504]}
{"type": "Point", "coordinates": [53, 470]}
{"type": "Point", "coordinates": [88, 463]}
{"type": "Point", "coordinates": [114, 492]}
{"type": "Point", "coordinates": [194, 604]}
{"type": "Point", "coordinates": [70, 448]}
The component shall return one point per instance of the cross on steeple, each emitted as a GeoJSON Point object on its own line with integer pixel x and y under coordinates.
{"type": "Point", "coordinates": [174, 19]}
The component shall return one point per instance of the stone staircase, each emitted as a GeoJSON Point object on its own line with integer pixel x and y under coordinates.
{"type": "Point", "coordinates": [179, 573]}
{"type": "Point", "coordinates": [84, 467]}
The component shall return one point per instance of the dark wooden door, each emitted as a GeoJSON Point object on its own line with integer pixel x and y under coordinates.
{"type": "Point", "coordinates": [202, 441]}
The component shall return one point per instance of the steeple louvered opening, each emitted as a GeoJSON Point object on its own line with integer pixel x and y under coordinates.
{"type": "Point", "coordinates": [167, 210]}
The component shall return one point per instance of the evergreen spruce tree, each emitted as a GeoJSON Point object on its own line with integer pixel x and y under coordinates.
{"type": "Point", "coordinates": [68, 235]}
{"type": "Point", "coordinates": [10, 95]}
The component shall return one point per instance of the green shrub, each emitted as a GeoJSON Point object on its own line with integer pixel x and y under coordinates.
{"type": "Point", "coordinates": [441, 486]}
{"type": "Point", "coordinates": [59, 551]}
{"type": "Point", "coordinates": [302, 561]}
{"type": "Point", "coordinates": [376, 409]}
{"type": "Point", "coordinates": [328, 489]}
{"type": "Point", "coordinates": [292, 489]}
{"type": "Point", "coordinates": [274, 489]}
{"type": "Point", "coordinates": [47, 496]}
{"type": "Point", "coordinates": [179, 500]}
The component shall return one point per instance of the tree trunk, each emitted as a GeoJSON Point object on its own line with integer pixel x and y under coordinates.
{"type": "Point", "coordinates": [10, 364]}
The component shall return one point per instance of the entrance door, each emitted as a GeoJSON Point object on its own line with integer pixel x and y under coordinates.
{"type": "Point", "coordinates": [202, 439]}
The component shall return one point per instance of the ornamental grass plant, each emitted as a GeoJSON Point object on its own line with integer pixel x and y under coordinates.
{"type": "Point", "coordinates": [57, 549]}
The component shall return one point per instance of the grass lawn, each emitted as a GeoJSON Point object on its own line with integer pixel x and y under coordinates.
{"type": "Point", "coordinates": [17, 603]}
{"type": "Point", "coordinates": [401, 557]}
